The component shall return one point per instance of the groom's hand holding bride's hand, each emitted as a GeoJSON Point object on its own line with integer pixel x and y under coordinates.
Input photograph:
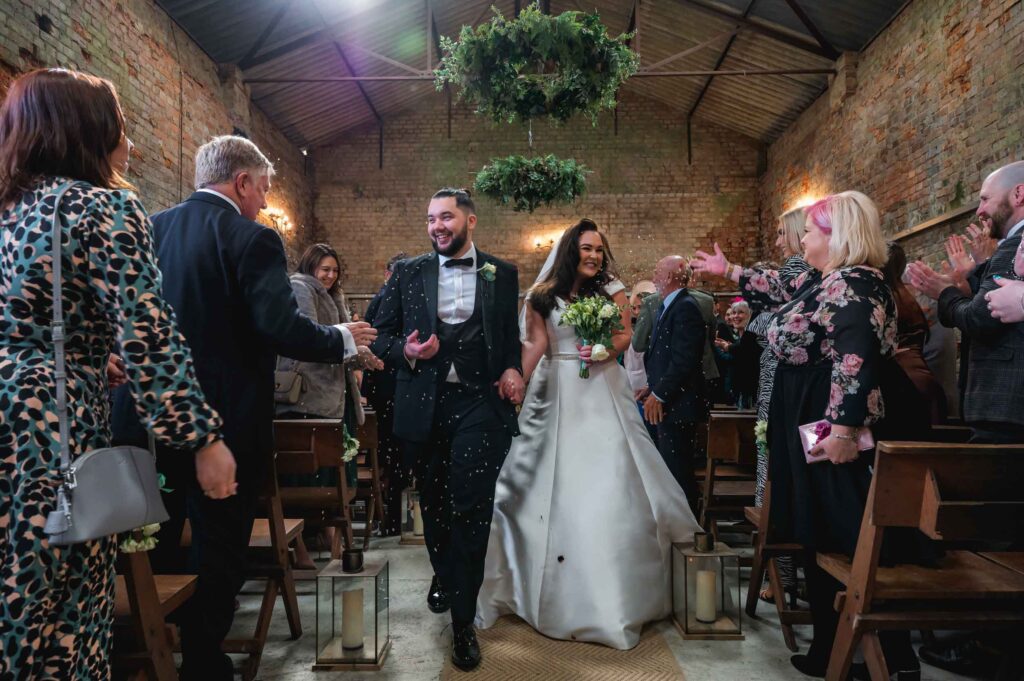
{"type": "Point", "coordinates": [511, 387]}
{"type": "Point", "coordinates": [654, 411]}
{"type": "Point", "coordinates": [415, 350]}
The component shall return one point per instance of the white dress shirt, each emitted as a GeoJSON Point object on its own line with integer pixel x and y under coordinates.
{"type": "Point", "coordinates": [226, 198]}
{"type": "Point", "coordinates": [456, 294]}
{"type": "Point", "coordinates": [456, 289]}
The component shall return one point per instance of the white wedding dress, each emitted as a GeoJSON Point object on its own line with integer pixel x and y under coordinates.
{"type": "Point", "coordinates": [585, 509]}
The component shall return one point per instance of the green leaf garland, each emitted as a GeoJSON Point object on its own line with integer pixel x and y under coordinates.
{"type": "Point", "coordinates": [526, 183]}
{"type": "Point", "coordinates": [537, 65]}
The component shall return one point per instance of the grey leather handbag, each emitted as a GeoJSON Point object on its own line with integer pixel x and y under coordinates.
{"type": "Point", "coordinates": [103, 491]}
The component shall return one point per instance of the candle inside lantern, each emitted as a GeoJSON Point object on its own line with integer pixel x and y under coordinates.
{"type": "Point", "coordinates": [417, 519]}
{"type": "Point", "coordinates": [352, 619]}
{"type": "Point", "coordinates": [707, 611]}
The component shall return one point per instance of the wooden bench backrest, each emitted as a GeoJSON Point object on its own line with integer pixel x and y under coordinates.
{"type": "Point", "coordinates": [951, 492]}
{"type": "Point", "coordinates": [731, 437]}
{"type": "Point", "coordinates": [303, 446]}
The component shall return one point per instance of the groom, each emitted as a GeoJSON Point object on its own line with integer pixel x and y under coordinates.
{"type": "Point", "coordinates": [448, 321]}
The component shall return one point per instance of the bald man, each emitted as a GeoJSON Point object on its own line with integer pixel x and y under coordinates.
{"type": "Point", "coordinates": [675, 376]}
{"type": "Point", "coordinates": [994, 390]}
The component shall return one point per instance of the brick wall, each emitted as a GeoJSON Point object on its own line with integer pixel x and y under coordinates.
{"type": "Point", "coordinates": [642, 192]}
{"type": "Point", "coordinates": [939, 104]}
{"type": "Point", "coordinates": [173, 95]}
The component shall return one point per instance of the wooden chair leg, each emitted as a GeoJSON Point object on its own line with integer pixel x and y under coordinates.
{"type": "Point", "coordinates": [279, 545]}
{"type": "Point", "coordinates": [843, 648]}
{"type": "Point", "coordinates": [149, 621]}
{"type": "Point", "coordinates": [252, 663]}
{"type": "Point", "coordinates": [756, 575]}
{"type": "Point", "coordinates": [336, 540]}
{"type": "Point", "coordinates": [779, 596]}
{"type": "Point", "coordinates": [368, 530]}
{"type": "Point", "coordinates": [874, 657]}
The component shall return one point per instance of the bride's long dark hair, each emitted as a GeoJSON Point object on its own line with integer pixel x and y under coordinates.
{"type": "Point", "coordinates": [562, 277]}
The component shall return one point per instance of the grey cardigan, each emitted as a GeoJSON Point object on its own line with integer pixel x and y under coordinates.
{"type": "Point", "coordinates": [323, 385]}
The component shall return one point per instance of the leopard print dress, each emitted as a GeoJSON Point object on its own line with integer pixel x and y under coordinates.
{"type": "Point", "coordinates": [57, 604]}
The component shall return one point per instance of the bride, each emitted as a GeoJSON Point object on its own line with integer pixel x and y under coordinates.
{"type": "Point", "coordinates": [585, 508]}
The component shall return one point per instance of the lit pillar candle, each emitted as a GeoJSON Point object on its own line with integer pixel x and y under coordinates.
{"type": "Point", "coordinates": [352, 619]}
{"type": "Point", "coordinates": [417, 519]}
{"type": "Point", "coordinates": [706, 606]}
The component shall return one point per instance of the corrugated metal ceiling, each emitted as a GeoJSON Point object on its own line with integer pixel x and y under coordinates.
{"type": "Point", "coordinates": [311, 39]}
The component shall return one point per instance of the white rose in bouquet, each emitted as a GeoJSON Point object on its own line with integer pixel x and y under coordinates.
{"type": "Point", "coordinates": [599, 353]}
{"type": "Point", "coordinates": [607, 311]}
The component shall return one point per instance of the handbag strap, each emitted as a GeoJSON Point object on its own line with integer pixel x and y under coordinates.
{"type": "Point", "coordinates": [57, 330]}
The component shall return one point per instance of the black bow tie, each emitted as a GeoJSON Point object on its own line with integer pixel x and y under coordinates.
{"type": "Point", "coordinates": [459, 262]}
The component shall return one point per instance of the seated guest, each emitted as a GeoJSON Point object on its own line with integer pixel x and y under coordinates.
{"type": "Point", "coordinates": [328, 390]}
{"type": "Point", "coordinates": [911, 334]}
{"type": "Point", "coordinates": [994, 390]}
{"type": "Point", "coordinates": [225, 276]}
{"type": "Point", "coordinates": [725, 336]}
{"type": "Point", "coordinates": [834, 336]}
{"type": "Point", "coordinates": [63, 130]}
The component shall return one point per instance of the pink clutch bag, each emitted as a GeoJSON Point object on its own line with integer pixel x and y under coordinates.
{"type": "Point", "coordinates": [812, 433]}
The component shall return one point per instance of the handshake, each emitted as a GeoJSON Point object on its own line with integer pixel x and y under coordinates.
{"type": "Point", "coordinates": [362, 333]}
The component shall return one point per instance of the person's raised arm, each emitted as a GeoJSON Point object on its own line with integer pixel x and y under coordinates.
{"type": "Point", "coordinates": [536, 342]}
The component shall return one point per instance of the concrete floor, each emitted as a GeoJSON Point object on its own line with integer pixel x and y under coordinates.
{"type": "Point", "coordinates": [420, 639]}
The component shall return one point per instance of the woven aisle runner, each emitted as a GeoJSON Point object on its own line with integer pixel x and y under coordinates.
{"type": "Point", "coordinates": [513, 651]}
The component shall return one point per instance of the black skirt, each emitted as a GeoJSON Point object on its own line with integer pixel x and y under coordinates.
{"type": "Point", "coordinates": [820, 505]}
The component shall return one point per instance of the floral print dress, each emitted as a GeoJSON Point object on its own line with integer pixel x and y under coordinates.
{"type": "Point", "coordinates": [57, 604]}
{"type": "Point", "coordinates": [832, 336]}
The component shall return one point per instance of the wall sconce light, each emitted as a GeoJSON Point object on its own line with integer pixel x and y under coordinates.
{"type": "Point", "coordinates": [805, 200]}
{"type": "Point", "coordinates": [279, 220]}
{"type": "Point", "coordinates": [540, 245]}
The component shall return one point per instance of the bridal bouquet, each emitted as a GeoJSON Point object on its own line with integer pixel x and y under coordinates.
{"type": "Point", "coordinates": [594, 318]}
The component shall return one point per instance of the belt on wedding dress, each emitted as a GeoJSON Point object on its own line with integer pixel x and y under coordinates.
{"type": "Point", "coordinates": [564, 356]}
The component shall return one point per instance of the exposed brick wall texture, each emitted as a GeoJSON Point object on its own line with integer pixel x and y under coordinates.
{"type": "Point", "coordinates": [939, 104]}
{"type": "Point", "coordinates": [172, 94]}
{"type": "Point", "coordinates": [642, 192]}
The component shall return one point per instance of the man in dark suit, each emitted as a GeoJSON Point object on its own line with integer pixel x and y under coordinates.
{"type": "Point", "coordinates": [448, 321]}
{"type": "Point", "coordinates": [226, 278]}
{"type": "Point", "coordinates": [379, 389]}
{"type": "Point", "coordinates": [994, 389]}
{"type": "Point", "coordinates": [675, 376]}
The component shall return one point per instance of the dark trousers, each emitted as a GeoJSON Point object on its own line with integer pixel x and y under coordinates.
{"type": "Point", "coordinates": [821, 596]}
{"type": "Point", "coordinates": [220, 541]}
{"type": "Point", "coordinates": [676, 442]}
{"type": "Point", "coordinates": [390, 456]}
{"type": "Point", "coordinates": [456, 475]}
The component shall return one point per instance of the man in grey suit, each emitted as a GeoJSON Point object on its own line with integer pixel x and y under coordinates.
{"type": "Point", "coordinates": [994, 392]}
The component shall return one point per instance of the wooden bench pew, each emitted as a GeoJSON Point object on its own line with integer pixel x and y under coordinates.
{"type": "Point", "coordinates": [953, 493]}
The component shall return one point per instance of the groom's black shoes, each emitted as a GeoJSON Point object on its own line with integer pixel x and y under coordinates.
{"type": "Point", "coordinates": [465, 649]}
{"type": "Point", "coordinates": [437, 599]}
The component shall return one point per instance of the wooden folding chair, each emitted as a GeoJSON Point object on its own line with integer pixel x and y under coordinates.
{"type": "Point", "coordinates": [731, 469]}
{"type": "Point", "coordinates": [952, 493]}
{"type": "Point", "coordinates": [142, 603]}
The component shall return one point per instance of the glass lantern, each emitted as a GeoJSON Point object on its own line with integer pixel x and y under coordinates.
{"type": "Point", "coordinates": [412, 518]}
{"type": "Point", "coordinates": [705, 584]}
{"type": "Point", "coordinates": [352, 628]}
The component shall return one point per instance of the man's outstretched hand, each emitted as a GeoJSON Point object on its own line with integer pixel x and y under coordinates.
{"type": "Point", "coordinates": [414, 350]}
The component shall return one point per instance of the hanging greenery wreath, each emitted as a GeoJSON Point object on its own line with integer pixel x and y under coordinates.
{"type": "Point", "coordinates": [537, 65]}
{"type": "Point", "coordinates": [526, 183]}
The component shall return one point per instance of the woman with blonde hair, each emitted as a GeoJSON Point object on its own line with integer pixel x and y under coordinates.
{"type": "Point", "coordinates": [834, 336]}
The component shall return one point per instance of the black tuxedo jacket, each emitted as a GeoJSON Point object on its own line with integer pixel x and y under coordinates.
{"type": "Point", "coordinates": [226, 278]}
{"type": "Point", "coordinates": [674, 360]}
{"type": "Point", "coordinates": [409, 303]}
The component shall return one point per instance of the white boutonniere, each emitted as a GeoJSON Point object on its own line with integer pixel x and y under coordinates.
{"type": "Point", "coordinates": [488, 271]}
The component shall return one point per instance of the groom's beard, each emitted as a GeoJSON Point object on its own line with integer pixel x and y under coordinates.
{"type": "Point", "coordinates": [457, 242]}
